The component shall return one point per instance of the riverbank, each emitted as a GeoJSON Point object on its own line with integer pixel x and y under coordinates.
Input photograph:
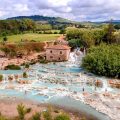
{"type": "Point", "coordinates": [17, 61]}
{"type": "Point", "coordinates": [9, 105]}
{"type": "Point", "coordinates": [105, 103]}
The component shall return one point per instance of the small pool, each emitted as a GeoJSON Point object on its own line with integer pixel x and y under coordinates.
{"type": "Point", "coordinates": [22, 95]}
{"type": "Point", "coordinates": [58, 68]}
{"type": "Point", "coordinates": [11, 71]}
{"type": "Point", "coordinates": [52, 83]}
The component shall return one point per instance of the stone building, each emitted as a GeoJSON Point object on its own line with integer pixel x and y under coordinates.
{"type": "Point", "coordinates": [57, 53]}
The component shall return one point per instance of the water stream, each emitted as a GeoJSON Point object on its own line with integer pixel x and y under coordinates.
{"type": "Point", "coordinates": [48, 81]}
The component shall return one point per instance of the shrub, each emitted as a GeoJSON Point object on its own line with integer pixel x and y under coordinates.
{"type": "Point", "coordinates": [23, 48]}
{"type": "Point", "coordinates": [21, 111]}
{"type": "Point", "coordinates": [62, 117]}
{"type": "Point", "coordinates": [103, 60]}
{"type": "Point", "coordinates": [40, 32]}
{"type": "Point", "coordinates": [28, 110]}
{"type": "Point", "coordinates": [56, 111]}
{"type": "Point", "coordinates": [27, 65]}
{"type": "Point", "coordinates": [55, 32]}
{"type": "Point", "coordinates": [5, 39]}
{"type": "Point", "coordinates": [47, 115]}
{"type": "Point", "coordinates": [1, 78]}
{"type": "Point", "coordinates": [2, 117]}
{"type": "Point", "coordinates": [43, 61]}
{"type": "Point", "coordinates": [13, 67]}
{"type": "Point", "coordinates": [25, 75]}
{"type": "Point", "coordinates": [32, 62]}
{"type": "Point", "coordinates": [36, 116]}
{"type": "Point", "coordinates": [23, 64]}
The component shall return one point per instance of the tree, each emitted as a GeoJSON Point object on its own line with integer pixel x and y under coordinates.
{"type": "Point", "coordinates": [43, 27]}
{"type": "Point", "coordinates": [103, 60]}
{"type": "Point", "coordinates": [8, 27]}
{"type": "Point", "coordinates": [117, 38]}
{"type": "Point", "coordinates": [73, 33]}
{"type": "Point", "coordinates": [62, 31]}
{"type": "Point", "coordinates": [76, 43]}
{"type": "Point", "coordinates": [86, 37]}
{"type": "Point", "coordinates": [98, 36]}
{"type": "Point", "coordinates": [117, 26]}
{"type": "Point", "coordinates": [110, 37]}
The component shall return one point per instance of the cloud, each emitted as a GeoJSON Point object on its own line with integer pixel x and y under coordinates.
{"type": "Point", "coordinates": [2, 13]}
{"type": "Point", "coordinates": [94, 10]}
{"type": "Point", "coordinates": [20, 7]}
{"type": "Point", "coordinates": [55, 5]}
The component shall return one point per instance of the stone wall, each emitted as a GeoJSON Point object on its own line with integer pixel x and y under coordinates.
{"type": "Point", "coordinates": [57, 55]}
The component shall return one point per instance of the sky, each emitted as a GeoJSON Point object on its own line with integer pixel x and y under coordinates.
{"type": "Point", "coordinates": [77, 10]}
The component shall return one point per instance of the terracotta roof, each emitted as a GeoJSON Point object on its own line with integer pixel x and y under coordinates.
{"type": "Point", "coordinates": [59, 47]}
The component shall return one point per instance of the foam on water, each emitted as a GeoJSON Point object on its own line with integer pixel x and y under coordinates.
{"type": "Point", "coordinates": [51, 79]}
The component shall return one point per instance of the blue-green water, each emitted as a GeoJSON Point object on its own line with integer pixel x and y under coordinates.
{"type": "Point", "coordinates": [77, 105]}
{"type": "Point", "coordinates": [11, 71]}
{"type": "Point", "coordinates": [46, 86]}
{"type": "Point", "coordinates": [59, 101]}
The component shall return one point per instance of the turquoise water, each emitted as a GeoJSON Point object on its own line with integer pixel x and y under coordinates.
{"type": "Point", "coordinates": [77, 105]}
{"type": "Point", "coordinates": [43, 87]}
{"type": "Point", "coordinates": [60, 101]}
{"type": "Point", "coordinates": [77, 88]}
{"type": "Point", "coordinates": [56, 67]}
{"type": "Point", "coordinates": [22, 95]}
{"type": "Point", "coordinates": [11, 71]}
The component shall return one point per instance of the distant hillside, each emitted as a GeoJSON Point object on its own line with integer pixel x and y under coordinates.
{"type": "Point", "coordinates": [59, 20]}
{"type": "Point", "coordinates": [113, 21]}
{"type": "Point", "coordinates": [51, 20]}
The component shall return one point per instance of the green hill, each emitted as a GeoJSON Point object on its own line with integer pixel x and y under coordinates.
{"type": "Point", "coordinates": [46, 19]}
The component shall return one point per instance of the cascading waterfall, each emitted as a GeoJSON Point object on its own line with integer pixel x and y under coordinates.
{"type": "Point", "coordinates": [76, 57]}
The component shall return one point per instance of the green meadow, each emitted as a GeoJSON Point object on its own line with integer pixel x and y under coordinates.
{"type": "Point", "coordinates": [31, 37]}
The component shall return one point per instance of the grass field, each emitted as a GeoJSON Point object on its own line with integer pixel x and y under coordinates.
{"type": "Point", "coordinates": [32, 36]}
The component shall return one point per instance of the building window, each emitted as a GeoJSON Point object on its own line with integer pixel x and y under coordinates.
{"type": "Point", "coordinates": [60, 52]}
{"type": "Point", "coordinates": [51, 51]}
{"type": "Point", "coordinates": [51, 57]}
{"type": "Point", "coordinates": [59, 59]}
